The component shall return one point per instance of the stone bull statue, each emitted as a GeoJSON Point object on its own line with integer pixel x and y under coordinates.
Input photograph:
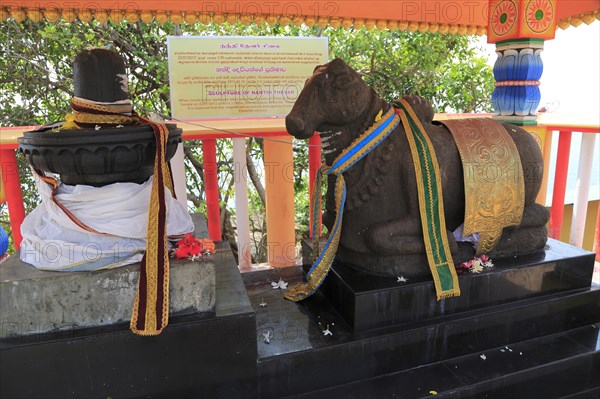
{"type": "Point", "coordinates": [382, 230]}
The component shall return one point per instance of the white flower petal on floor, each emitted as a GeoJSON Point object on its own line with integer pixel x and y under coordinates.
{"type": "Point", "coordinates": [267, 337]}
{"type": "Point", "coordinates": [279, 284]}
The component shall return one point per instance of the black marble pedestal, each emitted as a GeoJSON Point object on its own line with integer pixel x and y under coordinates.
{"type": "Point", "coordinates": [526, 329]}
{"type": "Point", "coordinates": [203, 355]}
{"type": "Point", "coordinates": [367, 302]}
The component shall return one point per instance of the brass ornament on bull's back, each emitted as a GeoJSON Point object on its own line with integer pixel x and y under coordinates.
{"type": "Point", "coordinates": [493, 179]}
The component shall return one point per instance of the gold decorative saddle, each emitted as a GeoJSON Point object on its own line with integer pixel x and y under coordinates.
{"type": "Point", "coordinates": [493, 179]}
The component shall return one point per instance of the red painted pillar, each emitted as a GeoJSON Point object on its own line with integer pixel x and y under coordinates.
{"type": "Point", "coordinates": [560, 184]}
{"type": "Point", "coordinates": [314, 163]}
{"type": "Point", "coordinates": [14, 196]}
{"type": "Point", "coordinates": [211, 185]}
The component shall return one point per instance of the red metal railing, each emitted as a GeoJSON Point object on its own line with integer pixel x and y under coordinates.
{"type": "Point", "coordinates": [560, 183]}
{"type": "Point", "coordinates": [14, 196]}
{"type": "Point", "coordinates": [278, 211]}
{"type": "Point", "coordinates": [11, 181]}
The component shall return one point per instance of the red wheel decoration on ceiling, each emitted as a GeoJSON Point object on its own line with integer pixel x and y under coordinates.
{"type": "Point", "coordinates": [539, 15]}
{"type": "Point", "coordinates": [504, 17]}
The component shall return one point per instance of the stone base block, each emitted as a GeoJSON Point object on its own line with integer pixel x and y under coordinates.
{"type": "Point", "coordinates": [368, 302]}
{"type": "Point", "coordinates": [33, 301]}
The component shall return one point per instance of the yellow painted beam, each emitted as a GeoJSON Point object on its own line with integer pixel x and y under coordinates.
{"type": "Point", "coordinates": [279, 190]}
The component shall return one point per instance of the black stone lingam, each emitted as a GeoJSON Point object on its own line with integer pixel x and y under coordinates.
{"type": "Point", "coordinates": [100, 75]}
{"type": "Point", "coordinates": [102, 150]}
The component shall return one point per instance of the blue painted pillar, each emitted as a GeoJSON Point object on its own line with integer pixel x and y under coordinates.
{"type": "Point", "coordinates": [517, 71]}
{"type": "Point", "coordinates": [519, 29]}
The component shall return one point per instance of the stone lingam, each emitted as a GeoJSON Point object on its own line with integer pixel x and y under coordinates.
{"type": "Point", "coordinates": [114, 204]}
{"type": "Point", "coordinates": [92, 148]}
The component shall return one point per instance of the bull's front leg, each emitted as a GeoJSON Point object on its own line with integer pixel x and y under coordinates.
{"type": "Point", "coordinates": [401, 237]}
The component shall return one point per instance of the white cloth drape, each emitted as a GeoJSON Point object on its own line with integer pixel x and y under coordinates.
{"type": "Point", "coordinates": [52, 241]}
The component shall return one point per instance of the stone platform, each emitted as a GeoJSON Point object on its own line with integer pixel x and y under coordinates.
{"type": "Point", "coordinates": [534, 319]}
{"type": "Point", "coordinates": [528, 328]}
{"type": "Point", "coordinates": [33, 301]}
{"type": "Point", "coordinates": [199, 354]}
{"type": "Point", "coordinates": [368, 302]}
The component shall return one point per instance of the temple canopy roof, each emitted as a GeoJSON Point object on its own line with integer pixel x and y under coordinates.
{"type": "Point", "coordinates": [455, 17]}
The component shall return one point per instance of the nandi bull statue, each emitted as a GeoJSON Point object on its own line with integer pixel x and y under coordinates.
{"type": "Point", "coordinates": [402, 188]}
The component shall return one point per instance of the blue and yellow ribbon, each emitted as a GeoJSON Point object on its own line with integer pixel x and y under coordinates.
{"type": "Point", "coordinates": [364, 144]}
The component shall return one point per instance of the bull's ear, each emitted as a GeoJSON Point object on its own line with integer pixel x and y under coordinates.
{"type": "Point", "coordinates": [341, 71]}
{"type": "Point", "coordinates": [337, 66]}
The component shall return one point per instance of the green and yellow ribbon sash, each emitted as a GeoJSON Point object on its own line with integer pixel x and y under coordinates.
{"type": "Point", "coordinates": [355, 152]}
{"type": "Point", "coordinates": [431, 204]}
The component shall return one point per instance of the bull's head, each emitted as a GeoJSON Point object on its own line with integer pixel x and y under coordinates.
{"type": "Point", "coordinates": [334, 96]}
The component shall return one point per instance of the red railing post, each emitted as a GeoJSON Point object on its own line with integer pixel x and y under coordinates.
{"type": "Point", "coordinates": [211, 185]}
{"type": "Point", "coordinates": [560, 183]}
{"type": "Point", "coordinates": [314, 163]}
{"type": "Point", "coordinates": [14, 196]}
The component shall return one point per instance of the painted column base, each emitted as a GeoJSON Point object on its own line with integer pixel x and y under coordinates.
{"type": "Point", "coordinates": [517, 71]}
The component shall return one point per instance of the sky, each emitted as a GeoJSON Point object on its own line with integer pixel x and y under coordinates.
{"type": "Point", "coordinates": [572, 69]}
{"type": "Point", "coordinates": [570, 88]}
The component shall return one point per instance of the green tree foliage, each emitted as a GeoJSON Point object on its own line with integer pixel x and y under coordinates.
{"type": "Point", "coordinates": [445, 69]}
{"type": "Point", "coordinates": [36, 84]}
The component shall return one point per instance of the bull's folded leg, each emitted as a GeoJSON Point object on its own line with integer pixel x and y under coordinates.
{"type": "Point", "coordinates": [529, 237]}
{"type": "Point", "coordinates": [524, 240]}
{"type": "Point", "coordinates": [535, 215]}
{"type": "Point", "coordinates": [396, 236]}
{"type": "Point", "coordinates": [407, 265]}
{"type": "Point", "coordinates": [400, 237]}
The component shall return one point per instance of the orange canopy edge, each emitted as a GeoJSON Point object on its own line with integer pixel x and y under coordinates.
{"type": "Point", "coordinates": [473, 13]}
